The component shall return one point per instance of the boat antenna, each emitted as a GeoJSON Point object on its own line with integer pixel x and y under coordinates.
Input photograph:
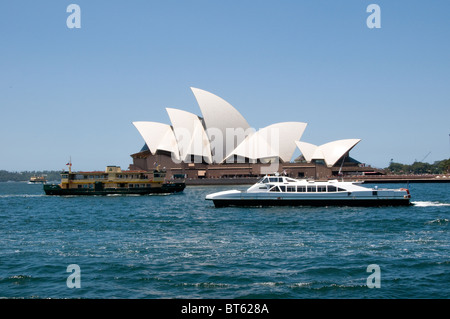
{"type": "Point", "coordinates": [340, 168]}
{"type": "Point", "coordinates": [70, 164]}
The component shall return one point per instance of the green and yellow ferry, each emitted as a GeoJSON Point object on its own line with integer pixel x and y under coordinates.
{"type": "Point", "coordinates": [114, 181]}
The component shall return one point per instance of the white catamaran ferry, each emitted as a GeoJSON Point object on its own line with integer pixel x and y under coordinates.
{"type": "Point", "coordinates": [285, 191]}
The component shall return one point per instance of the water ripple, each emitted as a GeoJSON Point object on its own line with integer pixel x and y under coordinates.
{"type": "Point", "coordinates": [182, 247]}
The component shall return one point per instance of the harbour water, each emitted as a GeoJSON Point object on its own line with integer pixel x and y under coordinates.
{"type": "Point", "coordinates": [180, 246]}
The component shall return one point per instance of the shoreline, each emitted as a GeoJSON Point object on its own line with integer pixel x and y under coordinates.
{"type": "Point", "coordinates": [365, 179]}
{"type": "Point", "coordinates": [383, 179]}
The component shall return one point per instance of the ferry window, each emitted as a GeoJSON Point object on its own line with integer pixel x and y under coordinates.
{"type": "Point", "coordinates": [331, 188]}
{"type": "Point", "coordinates": [283, 188]}
{"type": "Point", "coordinates": [280, 179]}
{"type": "Point", "coordinates": [290, 180]}
{"type": "Point", "coordinates": [80, 186]}
{"type": "Point", "coordinates": [264, 180]}
{"type": "Point", "coordinates": [301, 189]}
{"type": "Point", "coordinates": [291, 189]}
{"type": "Point", "coordinates": [64, 176]}
{"type": "Point", "coordinates": [321, 189]}
{"type": "Point", "coordinates": [274, 189]}
{"type": "Point", "coordinates": [341, 189]}
{"type": "Point", "coordinates": [273, 179]}
{"type": "Point", "coordinates": [131, 185]}
{"type": "Point", "coordinates": [311, 189]}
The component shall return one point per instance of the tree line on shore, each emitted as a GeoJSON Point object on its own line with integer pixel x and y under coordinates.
{"type": "Point", "coordinates": [6, 176]}
{"type": "Point", "coordinates": [438, 167]}
{"type": "Point", "coordinates": [419, 168]}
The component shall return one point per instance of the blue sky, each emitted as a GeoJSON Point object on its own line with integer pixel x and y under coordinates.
{"type": "Point", "coordinates": [75, 92]}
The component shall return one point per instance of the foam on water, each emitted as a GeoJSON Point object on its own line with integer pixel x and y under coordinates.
{"type": "Point", "coordinates": [429, 204]}
{"type": "Point", "coordinates": [20, 195]}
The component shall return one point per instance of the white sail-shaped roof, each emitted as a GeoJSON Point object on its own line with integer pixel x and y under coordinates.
{"type": "Point", "coordinates": [158, 136]}
{"type": "Point", "coordinates": [309, 151]}
{"type": "Point", "coordinates": [219, 114]}
{"type": "Point", "coordinates": [276, 140]}
{"type": "Point", "coordinates": [330, 152]}
{"type": "Point", "coordinates": [190, 134]}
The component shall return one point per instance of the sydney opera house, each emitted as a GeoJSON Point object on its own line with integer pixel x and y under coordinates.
{"type": "Point", "coordinates": [221, 144]}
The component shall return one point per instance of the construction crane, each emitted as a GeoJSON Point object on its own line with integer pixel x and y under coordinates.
{"type": "Point", "coordinates": [425, 157]}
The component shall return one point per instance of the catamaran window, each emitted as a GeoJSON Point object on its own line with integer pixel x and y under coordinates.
{"type": "Point", "coordinates": [311, 189]}
{"type": "Point", "coordinates": [280, 179]}
{"type": "Point", "coordinates": [291, 189]}
{"type": "Point", "coordinates": [301, 189]}
{"type": "Point", "coordinates": [341, 190]}
{"type": "Point", "coordinates": [264, 180]}
{"type": "Point", "coordinates": [283, 188]}
{"type": "Point", "coordinates": [274, 189]}
{"type": "Point", "coordinates": [321, 189]}
{"type": "Point", "coordinates": [273, 179]}
{"type": "Point", "coordinates": [331, 188]}
{"type": "Point", "coordinates": [290, 180]}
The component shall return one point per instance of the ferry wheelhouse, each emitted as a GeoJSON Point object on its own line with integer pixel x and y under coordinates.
{"type": "Point", "coordinates": [285, 191]}
{"type": "Point", "coordinates": [113, 181]}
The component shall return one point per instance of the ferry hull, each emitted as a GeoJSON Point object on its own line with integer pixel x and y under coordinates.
{"type": "Point", "coordinates": [164, 189]}
{"type": "Point", "coordinates": [311, 202]}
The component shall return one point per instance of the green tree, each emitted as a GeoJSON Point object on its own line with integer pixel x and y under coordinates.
{"type": "Point", "coordinates": [438, 167]}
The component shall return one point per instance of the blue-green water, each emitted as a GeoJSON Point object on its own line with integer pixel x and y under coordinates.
{"type": "Point", "coordinates": [180, 246]}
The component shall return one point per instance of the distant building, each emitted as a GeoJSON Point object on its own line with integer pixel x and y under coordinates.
{"type": "Point", "coordinates": [221, 144]}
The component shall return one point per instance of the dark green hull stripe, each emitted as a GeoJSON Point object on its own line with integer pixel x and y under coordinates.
{"type": "Point", "coordinates": [300, 202]}
{"type": "Point", "coordinates": [164, 189]}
